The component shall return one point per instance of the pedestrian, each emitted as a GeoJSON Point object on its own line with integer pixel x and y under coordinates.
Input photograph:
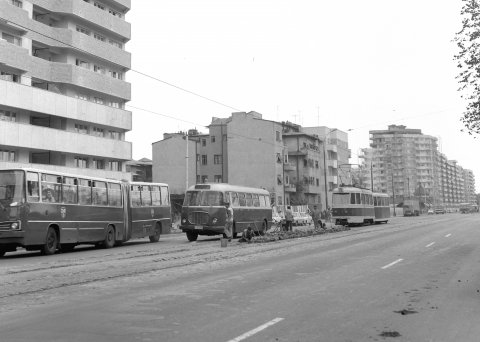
{"type": "Point", "coordinates": [228, 222]}
{"type": "Point", "coordinates": [288, 219]}
{"type": "Point", "coordinates": [247, 235]}
{"type": "Point", "coordinates": [317, 217]}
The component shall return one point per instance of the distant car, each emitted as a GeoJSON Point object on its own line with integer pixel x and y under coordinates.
{"type": "Point", "coordinates": [430, 212]}
{"type": "Point", "coordinates": [298, 219]}
{"type": "Point", "coordinates": [439, 211]}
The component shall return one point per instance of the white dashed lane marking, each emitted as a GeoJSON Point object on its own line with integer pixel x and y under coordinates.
{"type": "Point", "coordinates": [448, 235]}
{"type": "Point", "coordinates": [256, 330]}
{"type": "Point", "coordinates": [430, 244]}
{"type": "Point", "coordinates": [391, 264]}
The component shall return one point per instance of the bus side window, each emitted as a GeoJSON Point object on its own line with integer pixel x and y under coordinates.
{"type": "Point", "coordinates": [235, 200]}
{"type": "Point", "coordinates": [33, 188]}
{"type": "Point", "coordinates": [156, 199]}
{"type": "Point", "coordinates": [114, 195]}
{"type": "Point", "coordinates": [146, 195]}
{"type": "Point", "coordinates": [242, 200]}
{"type": "Point", "coordinates": [256, 200]}
{"type": "Point", "coordinates": [249, 200]}
{"type": "Point", "coordinates": [51, 188]}
{"type": "Point", "coordinates": [69, 190]}
{"type": "Point", "coordinates": [99, 193]}
{"type": "Point", "coordinates": [84, 192]}
{"type": "Point", "coordinates": [135, 196]}
{"type": "Point", "coordinates": [165, 195]}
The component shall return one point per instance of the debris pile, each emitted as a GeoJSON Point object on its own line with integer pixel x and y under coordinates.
{"type": "Point", "coordinates": [299, 233]}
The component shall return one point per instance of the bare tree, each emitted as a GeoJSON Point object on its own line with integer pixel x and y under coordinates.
{"type": "Point", "coordinates": [468, 58]}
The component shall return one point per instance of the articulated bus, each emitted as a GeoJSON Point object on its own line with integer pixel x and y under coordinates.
{"type": "Point", "coordinates": [204, 212]}
{"type": "Point", "coordinates": [46, 210]}
{"type": "Point", "coordinates": [352, 206]}
{"type": "Point", "coordinates": [381, 203]}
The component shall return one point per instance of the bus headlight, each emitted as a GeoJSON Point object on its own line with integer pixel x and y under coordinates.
{"type": "Point", "coordinates": [14, 226]}
{"type": "Point", "coordinates": [214, 221]}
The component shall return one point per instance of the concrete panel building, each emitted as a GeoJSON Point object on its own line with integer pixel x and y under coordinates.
{"type": "Point", "coordinates": [62, 86]}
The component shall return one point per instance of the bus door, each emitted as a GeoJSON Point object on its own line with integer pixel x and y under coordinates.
{"type": "Point", "coordinates": [127, 212]}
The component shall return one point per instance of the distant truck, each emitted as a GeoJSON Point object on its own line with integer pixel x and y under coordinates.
{"type": "Point", "coordinates": [411, 207]}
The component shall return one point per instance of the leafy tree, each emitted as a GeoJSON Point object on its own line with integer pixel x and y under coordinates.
{"type": "Point", "coordinates": [468, 58]}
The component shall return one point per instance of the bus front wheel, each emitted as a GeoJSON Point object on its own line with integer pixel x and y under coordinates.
{"type": "Point", "coordinates": [51, 242]}
{"type": "Point", "coordinates": [156, 235]}
{"type": "Point", "coordinates": [109, 241]}
{"type": "Point", "coordinates": [192, 236]}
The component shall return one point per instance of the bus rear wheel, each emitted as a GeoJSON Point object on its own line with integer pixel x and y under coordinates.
{"type": "Point", "coordinates": [156, 235]}
{"type": "Point", "coordinates": [2, 252]}
{"type": "Point", "coordinates": [51, 242]}
{"type": "Point", "coordinates": [192, 236]}
{"type": "Point", "coordinates": [109, 241]}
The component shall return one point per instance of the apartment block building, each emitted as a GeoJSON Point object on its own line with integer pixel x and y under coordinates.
{"type": "Point", "coordinates": [245, 149]}
{"type": "Point", "coordinates": [406, 163]}
{"type": "Point", "coordinates": [62, 86]}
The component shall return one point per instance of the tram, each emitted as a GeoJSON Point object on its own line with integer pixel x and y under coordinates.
{"type": "Point", "coordinates": [352, 206]}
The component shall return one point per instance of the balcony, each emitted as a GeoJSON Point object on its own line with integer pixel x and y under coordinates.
{"type": "Point", "coordinates": [43, 138]}
{"type": "Point", "coordinates": [42, 101]}
{"type": "Point", "coordinates": [290, 188]}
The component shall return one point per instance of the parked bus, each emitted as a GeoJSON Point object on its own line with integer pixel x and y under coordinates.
{"type": "Point", "coordinates": [204, 212]}
{"type": "Point", "coordinates": [352, 206]}
{"type": "Point", "coordinates": [381, 204]}
{"type": "Point", "coordinates": [46, 210]}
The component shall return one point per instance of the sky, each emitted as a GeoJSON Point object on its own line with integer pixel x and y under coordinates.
{"type": "Point", "coordinates": [352, 65]}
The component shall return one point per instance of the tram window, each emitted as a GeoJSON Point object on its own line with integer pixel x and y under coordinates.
{"type": "Point", "coordinates": [242, 201]}
{"type": "Point", "coordinates": [99, 193]}
{"type": "Point", "coordinates": [114, 195]}
{"type": "Point", "coordinates": [33, 188]}
{"type": "Point", "coordinates": [256, 200]}
{"type": "Point", "coordinates": [249, 200]}
{"type": "Point", "coordinates": [235, 199]}
{"type": "Point", "coordinates": [84, 192]}
{"type": "Point", "coordinates": [156, 199]}
{"type": "Point", "coordinates": [146, 195]}
{"type": "Point", "coordinates": [375, 201]}
{"type": "Point", "coordinates": [135, 196]}
{"type": "Point", "coordinates": [165, 195]}
{"type": "Point", "coordinates": [357, 198]}
{"type": "Point", "coordinates": [69, 190]}
{"type": "Point", "coordinates": [51, 188]}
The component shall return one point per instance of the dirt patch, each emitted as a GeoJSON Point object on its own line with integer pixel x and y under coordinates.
{"type": "Point", "coordinates": [390, 334]}
{"type": "Point", "coordinates": [406, 312]}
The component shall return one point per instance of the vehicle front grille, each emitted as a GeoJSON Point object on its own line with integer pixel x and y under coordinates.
{"type": "Point", "coordinates": [5, 225]}
{"type": "Point", "coordinates": [198, 217]}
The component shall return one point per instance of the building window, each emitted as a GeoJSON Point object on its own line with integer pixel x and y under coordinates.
{"type": "Point", "coordinates": [99, 37]}
{"type": "Point", "coordinates": [204, 179]}
{"type": "Point", "coordinates": [217, 159]}
{"type": "Point", "coordinates": [81, 97]}
{"type": "Point", "coordinates": [316, 164]}
{"type": "Point", "coordinates": [279, 180]}
{"type": "Point", "coordinates": [6, 76]}
{"type": "Point", "coordinates": [114, 13]}
{"type": "Point", "coordinates": [212, 138]}
{"type": "Point", "coordinates": [7, 155]}
{"type": "Point", "coordinates": [114, 165]}
{"type": "Point", "coordinates": [198, 158]}
{"type": "Point", "coordinates": [318, 182]}
{"type": "Point", "coordinates": [305, 163]}
{"type": "Point", "coordinates": [204, 142]}
{"type": "Point", "coordinates": [82, 64]}
{"type": "Point", "coordinates": [98, 100]}
{"type": "Point", "coordinates": [81, 163]}
{"type": "Point", "coordinates": [83, 30]}
{"type": "Point", "coordinates": [17, 3]}
{"type": "Point", "coordinates": [10, 38]}
{"type": "Point", "coordinates": [99, 69]}
{"type": "Point", "coordinates": [6, 115]}
{"type": "Point", "coordinates": [217, 178]}
{"type": "Point", "coordinates": [279, 158]}
{"type": "Point", "coordinates": [278, 136]}
{"type": "Point", "coordinates": [198, 179]}
{"type": "Point", "coordinates": [98, 164]}
{"type": "Point", "coordinates": [115, 43]}
{"type": "Point", "coordinates": [114, 104]}
{"type": "Point", "coordinates": [116, 74]}
{"type": "Point", "coordinates": [83, 129]}
{"type": "Point", "coordinates": [99, 5]}
{"type": "Point", "coordinates": [204, 159]}
{"type": "Point", "coordinates": [114, 135]}
{"type": "Point", "coordinates": [99, 132]}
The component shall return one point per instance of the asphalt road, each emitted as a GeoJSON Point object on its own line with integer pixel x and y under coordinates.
{"type": "Point", "coordinates": [413, 279]}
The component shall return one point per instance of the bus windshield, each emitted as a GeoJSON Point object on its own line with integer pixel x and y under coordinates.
{"type": "Point", "coordinates": [203, 198]}
{"type": "Point", "coordinates": [11, 187]}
